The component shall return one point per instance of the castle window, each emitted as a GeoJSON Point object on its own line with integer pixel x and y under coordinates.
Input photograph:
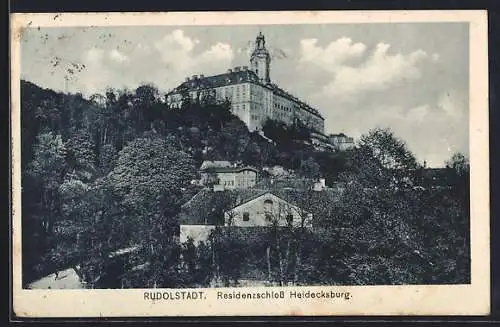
{"type": "Point", "coordinates": [246, 216]}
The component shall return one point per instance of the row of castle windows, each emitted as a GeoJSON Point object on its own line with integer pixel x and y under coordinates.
{"type": "Point", "coordinates": [282, 107]}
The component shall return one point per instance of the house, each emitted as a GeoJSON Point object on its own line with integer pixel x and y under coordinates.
{"type": "Point", "coordinates": [276, 171]}
{"type": "Point", "coordinates": [319, 185]}
{"type": "Point", "coordinates": [436, 177]}
{"type": "Point", "coordinates": [321, 142]}
{"type": "Point", "coordinates": [267, 209]}
{"type": "Point", "coordinates": [341, 141]}
{"type": "Point", "coordinates": [226, 176]}
{"type": "Point", "coordinates": [255, 208]}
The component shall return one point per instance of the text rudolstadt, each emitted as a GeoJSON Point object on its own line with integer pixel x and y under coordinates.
{"type": "Point", "coordinates": [246, 295]}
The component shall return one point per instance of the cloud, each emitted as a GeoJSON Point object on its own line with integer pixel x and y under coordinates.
{"type": "Point", "coordinates": [379, 72]}
{"type": "Point", "coordinates": [333, 55]}
{"type": "Point", "coordinates": [418, 114]}
{"type": "Point", "coordinates": [353, 70]}
{"type": "Point", "coordinates": [117, 56]}
{"type": "Point", "coordinates": [219, 51]}
{"type": "Point", "coordinates": [176, 41]}
{"type": "Point", "coordinates": [164, 61]}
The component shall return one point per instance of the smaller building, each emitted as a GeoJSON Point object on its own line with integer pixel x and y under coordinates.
{"type": "Point", "coordinates": [276, 171]}
{"type": "Point", "coordinates": [341, 142]}
{"type": "Point", "coordinates": [226, 176]}
{"type": "Point", "coordinates": [320, 185]}
{"type": "Point", "coordinates": [321, 142]}
{"type": "Point", "coordinates": [266, 210]}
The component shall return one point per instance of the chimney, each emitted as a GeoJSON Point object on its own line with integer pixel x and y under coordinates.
{"type": "Point", "coordinates": [202, 76]}
{"type": "Point", "coordinates": [229, 71]}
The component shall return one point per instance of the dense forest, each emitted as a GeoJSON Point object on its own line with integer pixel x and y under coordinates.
{"type": "Point", "coordinates": [112, 171]}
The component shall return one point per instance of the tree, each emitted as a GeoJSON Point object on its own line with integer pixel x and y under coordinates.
{"type": "Point", "coordinates": [234, 139]}
{"type": "Point", "coordinates": [383, 209]}
{"type": "Point", "coordinates": [47, 169]}
{"type": "Point", "coordinates": [459, 163]}
{"type": "Point", "coordinates": [309, 168]}
{"type": "Point", "coordinates": [390, 151]}
{"type": "Point", "coordinates": [149, 178]}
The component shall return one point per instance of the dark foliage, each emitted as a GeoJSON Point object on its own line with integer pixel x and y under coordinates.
{"type": "Point", "coordinates": [112, 172]}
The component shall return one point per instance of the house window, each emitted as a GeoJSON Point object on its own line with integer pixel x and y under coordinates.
{"type": "Point", "coordinates": [289, 219]}
{"type": "Point", "coordinates": [246, 216]}
{"type": "Point", "coordinates": [268, 205]}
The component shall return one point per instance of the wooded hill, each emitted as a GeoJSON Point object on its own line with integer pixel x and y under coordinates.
{"type": "Point", "coordinates": [112, 171]}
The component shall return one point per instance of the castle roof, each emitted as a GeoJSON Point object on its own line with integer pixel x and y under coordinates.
{"type": "Point", "coordinates": [229, 78]}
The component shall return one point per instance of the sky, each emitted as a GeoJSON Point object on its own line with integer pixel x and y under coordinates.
{"type": "Point", "coordinates": [410, 77]}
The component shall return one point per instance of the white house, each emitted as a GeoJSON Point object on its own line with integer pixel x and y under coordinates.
{"type": "Point", "coordinates": [265, 210]}
{"type": "Point", "coordinates": [226, 176]}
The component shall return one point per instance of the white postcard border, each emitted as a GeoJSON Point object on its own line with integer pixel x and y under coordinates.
{"type": "Point", "coordinates": [473, 299]}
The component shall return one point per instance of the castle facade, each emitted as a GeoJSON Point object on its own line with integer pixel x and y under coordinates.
{"type": "Point", "coordinates": [253, 97]}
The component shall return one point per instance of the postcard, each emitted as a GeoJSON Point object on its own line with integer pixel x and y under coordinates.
{"type": "Point", "coordinates": [309, 163]}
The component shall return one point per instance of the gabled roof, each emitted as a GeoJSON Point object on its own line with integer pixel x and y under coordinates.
{"type": "Point", "coordinates": [261, 194]}
{"type": "Point", "coordinates": [208, 205]}
{"type": "Point", "coordinates": [230, 169]}
{"type": "Point", "coordinates": [214, 164]}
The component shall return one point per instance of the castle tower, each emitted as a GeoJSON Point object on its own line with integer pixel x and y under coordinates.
{"type": "Point", "coordinates": [260, 60]}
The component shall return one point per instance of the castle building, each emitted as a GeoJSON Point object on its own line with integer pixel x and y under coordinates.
{"type": "Point", "coordinates": [226, 176]}
{"type": "Point", "coordinates": [341, 141]}
{"type": "Point", "coordinates": [253, 96]}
